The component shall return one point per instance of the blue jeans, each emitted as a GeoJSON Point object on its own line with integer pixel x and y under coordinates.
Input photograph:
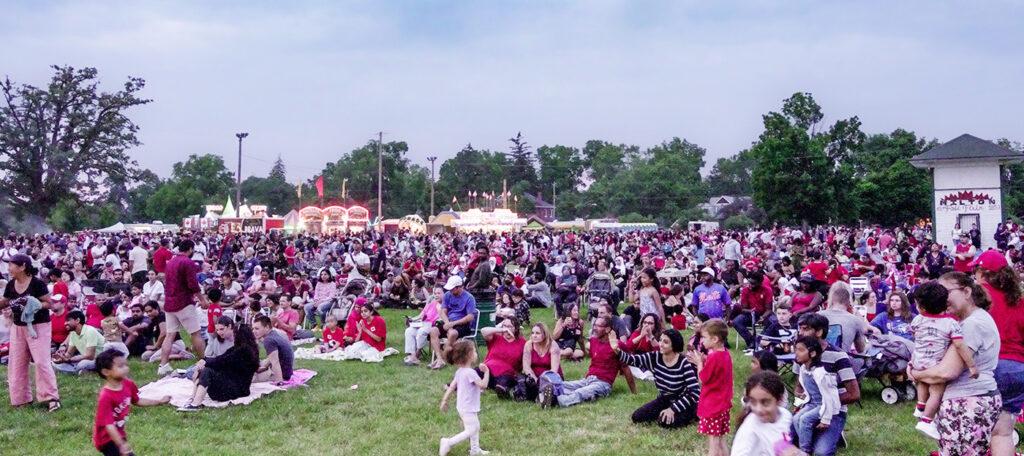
{"type": "Point", "coordinates": [1010, 380]}
{"type": "Point", "coordinates": [321, 311]}
{"type": "Point", "coordinates": [588, 389]}
{"type": "Point", "coordinates": [84, 365]}
{"type": "Point", "coordinates": [824, 444]}
{"type": "Point", "coordinates": [742, 323]}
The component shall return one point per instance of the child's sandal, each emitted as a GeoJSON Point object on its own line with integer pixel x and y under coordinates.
{"type": "Point", "coordinates": [53, 406]}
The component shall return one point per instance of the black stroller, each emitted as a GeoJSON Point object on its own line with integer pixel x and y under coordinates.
{"type": "Point", "coordinates": [886, 362]}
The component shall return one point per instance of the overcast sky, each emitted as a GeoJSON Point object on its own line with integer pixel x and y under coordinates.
{"type": "Point", "coordinates": [312, 81]}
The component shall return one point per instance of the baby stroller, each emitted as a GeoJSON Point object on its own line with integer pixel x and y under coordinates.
{"type": "Point", "coordinates": [886, 362]}
{"type": "Point", "coordinates": [600, 287]}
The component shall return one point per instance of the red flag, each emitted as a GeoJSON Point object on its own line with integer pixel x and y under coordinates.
{"type": "Point", "coordinates": [320, 187]}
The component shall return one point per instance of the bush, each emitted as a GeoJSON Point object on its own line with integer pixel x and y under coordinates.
{"type": "Point", "coordinates": [633, 217]}
{"type": "Point", "coordinates": [738, 222]}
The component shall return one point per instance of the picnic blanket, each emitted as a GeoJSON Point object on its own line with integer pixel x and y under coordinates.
{"type": "Point", "coordinates": [180, 390]}
{"type": "Point", "coordinates": [298, 342]}
{"type": "Point", "coordinates": [366, 356]}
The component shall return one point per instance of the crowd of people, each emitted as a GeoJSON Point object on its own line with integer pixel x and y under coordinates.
{"type": "Point", "coordinates": [808, 303]}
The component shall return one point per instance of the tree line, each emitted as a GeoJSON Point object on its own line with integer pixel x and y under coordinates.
{"type": "Point", "coordinates": [64, 153]}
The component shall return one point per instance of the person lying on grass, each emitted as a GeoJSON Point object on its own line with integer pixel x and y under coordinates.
{"type": "Point", "coordinates": [114, 404]}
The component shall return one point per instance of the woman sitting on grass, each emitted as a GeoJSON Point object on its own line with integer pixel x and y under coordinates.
{"type": "Point", "coordinates": [227, 376]}
{"type": "Point", "coordinates": [568, 334]}
{"type": "Point", "coordinates": [674, 376]}
{"type": "Point", "coordinates": [504, 355]}
{"type": "Point", "coordinates": [370, 339]}
{"type": "Point", "coordinates": [540, 355]}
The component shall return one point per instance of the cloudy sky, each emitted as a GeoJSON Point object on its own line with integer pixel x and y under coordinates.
{"type": "Point", "coordinates": [310, 81]}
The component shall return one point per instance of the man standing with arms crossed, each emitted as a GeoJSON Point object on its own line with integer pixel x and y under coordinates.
{"type": "Point", "coordinates": [180, 310]}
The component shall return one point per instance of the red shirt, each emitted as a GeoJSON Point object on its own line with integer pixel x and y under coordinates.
{"type": "Point", "coordinates": [540, 363]}
{"type": "Point", "coordinates": [61, 288]}
{"type": "Point", "coordinates": [837, 274]}
{"type": "Point", "coordinates": [160, 259]}
{"type": "Point", "coordinates": [715, 384]}
{"type": "Point", "coordinates": [378, 328]}
{"type": "Point", "coordinates": [180, 283]}
{"type": "Point", "coordinates": [759, 301]}
{"type": "Point", "coordinates": [113, 407]}
{"type": "Point", "coordinates": [1010, 321]}
{"type": "Point", "coordinates": [643, 346]}
{"type": "Point", "coordinates": [504, 357]}
{"type": "Point", "coordinates": [93, 317]}
{"type": "Point", "coordinates": [212, 314]}
{"type": "Point", "coordinates": [59, 332]}
{"type": "Point", "coordinates": [334, 335]}
{"type": "Point", "coordinates": [818, 269]}
{"type": "Point", "coordinates": [604, 363]}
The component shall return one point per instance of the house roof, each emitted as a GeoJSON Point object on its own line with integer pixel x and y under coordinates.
{"type": "Point", "coordinates": [537, 202]}
{"type": "Point", "coordinates": [967, 147]}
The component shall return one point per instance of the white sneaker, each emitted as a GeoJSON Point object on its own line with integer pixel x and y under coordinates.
{"type": "Point", "coordinates": [918, 413]}
{"type": "Point", "coordinates": [164, 370]}
{"type": "Point", "coordinates": [479, 452]}
{"type": "Point", "coordinates": [445, 447]}
{"type": "Point", "coordinates": [928, 429]}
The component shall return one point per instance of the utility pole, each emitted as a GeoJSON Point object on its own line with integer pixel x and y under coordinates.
{"type": "Point", "coordinates": [238, 176]}
{"type": "Point", "coordinates": [344, 193]}
{"type": "Point", "coordinates": [431, 160]}
{"type": "Point", "coordinates": [380, 173]}
{"type": "Point", "coordinates": [554, 204]}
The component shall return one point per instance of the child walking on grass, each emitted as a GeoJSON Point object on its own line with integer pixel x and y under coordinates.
{"type": "Point", "coordinates": [115, 403]}
{"type": "Point", "coordinates": [715, 373]}
{"type": "Point", "coordinates": [469, 384]}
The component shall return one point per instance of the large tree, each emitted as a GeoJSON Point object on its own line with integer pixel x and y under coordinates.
{"type": "Point", "coordinates": [800, 174]}
{"type": "Point", "coordinates": [731, 175]}
{"type": "Point", "coordinates": [67, 141]}
{"type": "Point", "coordinates": [274, 190]}
{"type": "Point", "coordinates": [200, 180]}
{"type": "Point", "coordinates": [358, 171]}
{"type": "Point", "coordinates": [890, 190]}
{"type": "Point", "coordinates": [521, 172]}
{"type": "Point", "coordinates": [469, 170]}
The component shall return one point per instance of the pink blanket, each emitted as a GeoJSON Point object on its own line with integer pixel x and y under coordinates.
{"type": "Point", "coordinates": [180, 389]}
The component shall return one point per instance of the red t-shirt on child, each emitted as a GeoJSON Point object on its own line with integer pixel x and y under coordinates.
{"type": "Point", "coordinates": [377, 328]}
{"type": "Point", "coordinates": [212, 314]}
{"type": "Point", "coordinates": [715, 385]}
{"type": "Point", "coordinates": [59, 332]}
{"type": "Point", "coordinates": [113, 407]}
{"type": "Point", "coordinates": [336, 335]}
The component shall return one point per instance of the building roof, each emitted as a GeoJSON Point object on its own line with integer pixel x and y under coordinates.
{"type": "Point", "coordinates": [538, 202]}
{"type": "Point", "coordinates": [967, 147]}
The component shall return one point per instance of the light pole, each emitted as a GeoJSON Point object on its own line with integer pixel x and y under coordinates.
{"type": "Point", "coordinates": [238, 177]}
{"type": "Point", "coordinates": [380, 173]}
{"type": "Point", "coordinates": [431, 160]}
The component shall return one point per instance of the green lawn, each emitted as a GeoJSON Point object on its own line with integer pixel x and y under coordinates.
{"type": "Point", "coordinates": [394, 412]}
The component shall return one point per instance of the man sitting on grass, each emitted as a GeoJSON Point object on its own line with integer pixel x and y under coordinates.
{"type": "Point", "coordinates": [604, 367]}
{"type": "Point", "coordinates": [277, 367]}
{"type": "Point", "coordinates": [83, 344]}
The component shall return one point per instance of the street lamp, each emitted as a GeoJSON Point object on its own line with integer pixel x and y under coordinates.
{"type": "Point", "coordinates": [431, 160]}
{"type": "Point", "coordinates": [238, 177]}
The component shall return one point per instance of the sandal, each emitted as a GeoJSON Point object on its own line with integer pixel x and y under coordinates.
{"type": "Point", "coordinates": [53, 406]}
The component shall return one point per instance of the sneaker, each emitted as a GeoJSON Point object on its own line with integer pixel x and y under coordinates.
{"type": "Point", "coordinates": [164, 370]}
{"type": "Point", "coordinates": [842, 443]}
{"type": "Point", "coordinates": [546, 396]}
{"type": "Point", "coordinates": [188, 408]}
{"type": "Point", "coordinates": [928, 429]}
{"type": "Point", "coordinates": [918, 413]}
{"type": "Point", "coordinates": [478, 452]}
{"type": "Point", "coordinates": [748, 352]}
{"type": "Point", "coordinates": [445, 447]}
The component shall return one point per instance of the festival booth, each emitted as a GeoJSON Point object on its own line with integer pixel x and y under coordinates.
{"type": "Point", "coordinates": [333, 219]}
{"type": "Point", "coordinates": [154, 227]}
{"type": "Point", "coordinates": [496, 221]}
{"type": "Point", "coordinates": [534, 223]}
{"type": "Point", "coordinates": [227, 219]}
{"type": "Point", "coordinates": [967, 186]}
{"type": "Point", "coordinates": [624, 227]}
{"type": "Point", "coordinates": [569, 225]}
{"type": "Point", "coordinates": [413, 224]}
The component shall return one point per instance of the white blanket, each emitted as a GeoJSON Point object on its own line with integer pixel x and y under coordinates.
{"type": "Point", "coordinates": [359, 350]}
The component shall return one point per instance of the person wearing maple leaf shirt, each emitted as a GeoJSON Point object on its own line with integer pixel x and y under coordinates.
{"type": "Point", "coordinates": [370, 339]}
{"type": "Point", "coordinates": [755, 300]}
{"type": "Point", "coordinates": [180, 312]}
{"type": "Point", "coordinates": [114, 404]}
{"type": "Point", "coordinates": [333, 336]}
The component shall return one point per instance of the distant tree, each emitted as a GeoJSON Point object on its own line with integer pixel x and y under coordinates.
{"type": "Point", "coordinates": [200, 180]}
{"type": "Point", "coordinates": [1013, 182]}
{"type": "Point", "coordinates": [732, 175]}
{"type": "Point", "coordinates": [473, 170]}
{"type": "Point", "coordinates": [738, 222]}
{"type": "Point", "coordinates": [890, 190]}
{"type": "Point", "coordinates": [520, 163]}
{"type": "Point", "coordinates": [65, 142]}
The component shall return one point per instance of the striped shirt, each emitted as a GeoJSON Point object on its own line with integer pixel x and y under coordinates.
{"type": "Point", "coordinates": [679, 381]}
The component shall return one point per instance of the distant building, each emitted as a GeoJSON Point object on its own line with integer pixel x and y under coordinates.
{"type": "Point", "coordinates": [542, 209]}
{"type": "Point", "coordinates": [717, 203]}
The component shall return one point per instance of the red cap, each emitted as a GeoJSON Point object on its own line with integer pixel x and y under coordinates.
{"type": "Point", "coordinates": [990, 260]}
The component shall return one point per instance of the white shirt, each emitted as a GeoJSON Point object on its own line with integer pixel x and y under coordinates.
{"type": "Point", "coordinates": [757, 438]}
{"type": "Point", "coordinates": [138, 258]}
{"type": "Point", "coordinates": [199, 253]}
{"type": "Point", "coordinates": [114, 260]}
{"type": "Point", "coordinates": [153, 291]}
{"type": "Point", "coordinates": [361, 259]}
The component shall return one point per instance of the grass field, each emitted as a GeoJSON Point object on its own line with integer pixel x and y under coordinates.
{"type": "Point", "coordinates": [394, 412]}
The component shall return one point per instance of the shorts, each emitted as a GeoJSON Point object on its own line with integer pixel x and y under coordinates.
{"type": "Point", "coordinates": [186, 318]}
{"type": "Point", "coordinates": [463, 330]}
{"type": "Point", "coordinates": [566, 343]}
{"type": "Point", "coordinates": [717, 425]}
{"type": "Point", "coordinates": [1010, 380]}
{"type": "Point", "coordinates": [110, 449]}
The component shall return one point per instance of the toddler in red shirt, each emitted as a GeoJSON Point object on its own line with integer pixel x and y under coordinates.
{"type": "Point", "coordinates": [333, 336]}
{"type": "Point", "coordinates": [715, 373]}
{"type": "Point", "coordinates": [213, 309]}
{"type": "Point", "coordinates": [115, 404]}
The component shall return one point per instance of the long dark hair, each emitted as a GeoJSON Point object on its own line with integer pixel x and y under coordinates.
{"type": "Point", "coordinates": [245, 340]}
{"type": "Point", "coordinates": [1006, 281]}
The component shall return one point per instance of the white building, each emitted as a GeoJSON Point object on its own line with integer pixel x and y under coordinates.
{"type": "Point", "coordinates": [967, 180]}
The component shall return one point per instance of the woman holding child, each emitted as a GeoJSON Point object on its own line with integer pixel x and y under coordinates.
{"type": "Point", "coordinates": [970, 404]}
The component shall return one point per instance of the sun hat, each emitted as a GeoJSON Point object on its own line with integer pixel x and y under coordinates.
{"type": "Point", "coordinates": [453, 283]}
{"type": "Point", "coordinates": [991, 261]}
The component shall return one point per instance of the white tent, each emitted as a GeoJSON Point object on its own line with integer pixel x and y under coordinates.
{"type": "Point", "coordinates": [115, 228]}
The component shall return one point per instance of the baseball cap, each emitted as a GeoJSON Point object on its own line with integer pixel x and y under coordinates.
{"type": "Point", "coordinates": [708, 271]}
{"type": "Point", "coordinates": [453, 283]}
{"type": "Point", "coordinates": [990, 260]}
